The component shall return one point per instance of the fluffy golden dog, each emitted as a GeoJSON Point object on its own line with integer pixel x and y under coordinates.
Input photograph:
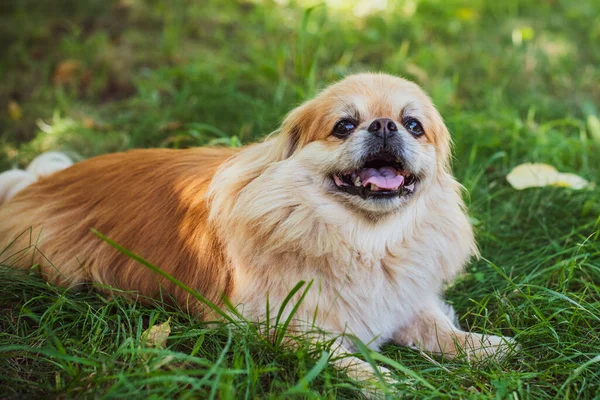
{"type": "Point", "coordinates": [354, 192]}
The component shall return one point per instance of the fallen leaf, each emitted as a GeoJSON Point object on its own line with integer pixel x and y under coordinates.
{"type": "Point", "coordinates": [473, 389]}
{"type": "Point", "coordinates": [14, 110]}
{"type": "Point", "coordinates": [66, 71]}
{"type": "Point", "coordinates": [171, 126]}
{"type": "Point", "coordinates": [570, 180]}
{"type": "Point", "coordinates": [89, 123]}
{"type": "Point", "coordinates": [539, 175]}
{"type": "Point", "coordinates": [157, 335]}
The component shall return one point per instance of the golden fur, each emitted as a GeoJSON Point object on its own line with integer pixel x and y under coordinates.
{"type": "Point", "coordinates": [251, 224]}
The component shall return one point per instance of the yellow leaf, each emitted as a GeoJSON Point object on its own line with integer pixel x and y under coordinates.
{"type": "Point", "coordinates": [14, 110]}
{"type": "Point", "coordinates": [157, 335]}
{"type": "Point", "coordinates": [539, 175]}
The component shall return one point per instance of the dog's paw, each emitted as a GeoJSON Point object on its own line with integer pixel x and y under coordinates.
{"type": "Point", "coordinates": [375, 384]}
{"type": "Point", "coordinates": [485, 348]}
{"type": "Point", "coordinates": [374, 381]}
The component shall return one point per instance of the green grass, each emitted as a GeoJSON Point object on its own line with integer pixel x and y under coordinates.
{"type": "Point", "coordinates": [516, 81]}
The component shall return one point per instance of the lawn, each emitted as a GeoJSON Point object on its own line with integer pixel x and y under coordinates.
{"type": "Point", "coordinates": [516, 81]}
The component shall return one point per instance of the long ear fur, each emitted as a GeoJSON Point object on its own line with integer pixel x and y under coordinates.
{"type": "Point", "coordinates": [299, 127]}
{"type": "Point", "coordinates": [443, 144]}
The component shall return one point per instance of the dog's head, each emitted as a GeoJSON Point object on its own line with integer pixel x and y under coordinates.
{"type": "Point", "coordinates": [373, 141]}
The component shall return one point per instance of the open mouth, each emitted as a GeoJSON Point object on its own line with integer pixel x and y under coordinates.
{"type": "Point", "coordinates": [382, 176]}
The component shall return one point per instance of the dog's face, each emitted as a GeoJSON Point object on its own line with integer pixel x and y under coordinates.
{"type": "Point", "coordinates": [374, 141]}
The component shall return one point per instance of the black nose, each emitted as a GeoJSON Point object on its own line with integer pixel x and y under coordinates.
{"type": "Point", "coordinates": [382, 127]}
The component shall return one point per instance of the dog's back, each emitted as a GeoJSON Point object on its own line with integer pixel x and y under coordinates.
{"type": "Point", "coordinates": [149, 201]}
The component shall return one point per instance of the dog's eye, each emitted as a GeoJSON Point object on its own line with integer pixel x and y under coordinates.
{"type": "Point", "coordinates": [344, 127]}
{"type": "Point", "coordinates": [413, 126]}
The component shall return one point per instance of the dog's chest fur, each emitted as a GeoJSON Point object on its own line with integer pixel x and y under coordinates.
{"type": "Point", "coordinates": [368, 279]}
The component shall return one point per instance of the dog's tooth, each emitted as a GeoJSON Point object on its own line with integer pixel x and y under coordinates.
{"type": "Point", "coordinates": [411, 187]}
{"type": "Point", "coordinates": [356, 180]}
{"type": "Point", "coordinates": [374, 187]}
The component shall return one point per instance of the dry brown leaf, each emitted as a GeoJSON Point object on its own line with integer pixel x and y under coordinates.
{"type": "Point", "coordinates": [539, 175]}
{"type": "Point", "coordinates": [171, 126]}
{"type": "Point", "coordinates": [66, 71]}
{"type": "Point", "coordinates": [157, 335]}
{"type": "Point", "coordinates": [89, 123]}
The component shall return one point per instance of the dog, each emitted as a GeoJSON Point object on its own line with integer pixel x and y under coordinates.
{"type": "Point", "coordinates": [354, 192]}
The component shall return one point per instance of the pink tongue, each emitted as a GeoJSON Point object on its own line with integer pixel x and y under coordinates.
{"type": "Point", "coordinates": [386, 177]}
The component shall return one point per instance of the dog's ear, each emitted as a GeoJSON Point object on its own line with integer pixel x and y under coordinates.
{"type": "Point", "coordinates": [292, 139]}
{"type": "Point", "coordinates": [443, 143]}
{"type": "Point", "coordinates": [299, 127]}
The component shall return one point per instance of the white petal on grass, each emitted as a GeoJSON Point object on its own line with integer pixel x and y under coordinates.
{"type": "Point", "coordinates": [539, 175]}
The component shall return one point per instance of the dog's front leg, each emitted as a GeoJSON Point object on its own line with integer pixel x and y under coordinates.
{"type": "Point", "coordinates": [433, 330]}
